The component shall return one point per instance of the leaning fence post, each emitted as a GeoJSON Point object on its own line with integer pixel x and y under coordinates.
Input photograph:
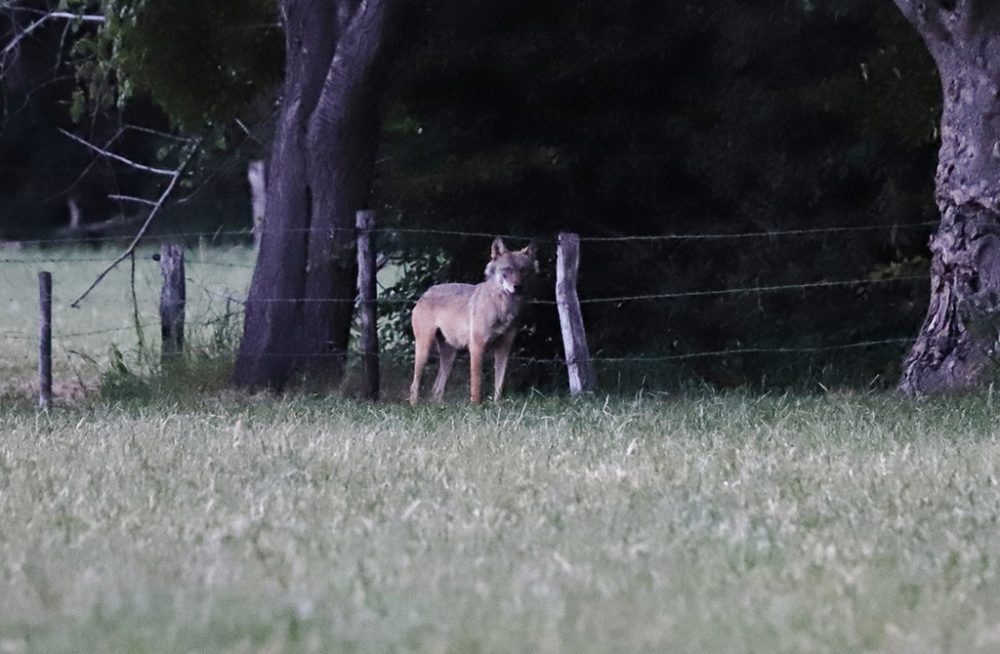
{"type": "Point", "coordinates": [581, 374]}
{"type": "Point", "coordinates": [172, 300]}
{"type": "Point", "coordinates": [45, 340]}
{"type": "Point", "coordinates": [368, 309]}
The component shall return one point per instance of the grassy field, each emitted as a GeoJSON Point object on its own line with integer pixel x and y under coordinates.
{"type": "Point", "coordinates": [90, 340]}
{"type": "Point", "coordinates": [85, 339]}
{"type": "Point", "coordinates": [142, 520]}
{"type": "Point", "coordinates": [683, 524]}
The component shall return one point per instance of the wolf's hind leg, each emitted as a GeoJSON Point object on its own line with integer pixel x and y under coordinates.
{"type": "Point", "coordinates": [422, 340]}
{"type": "Point", "coordinates": [447, 353]}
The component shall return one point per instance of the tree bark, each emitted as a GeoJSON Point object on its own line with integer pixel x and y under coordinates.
{"type": "Point", "coordinates": [301, 299]}
{"type": "Point", "coordinates": [958, 339]}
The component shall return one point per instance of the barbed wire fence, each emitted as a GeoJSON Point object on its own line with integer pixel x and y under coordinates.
{"type": "Point", "coordinates": [223, 300]}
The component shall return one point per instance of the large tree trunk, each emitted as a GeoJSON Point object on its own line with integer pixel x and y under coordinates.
{"type": "Point", "coordinates": [959, 336]}
{"type": "Point", "coordinates": [301, 299]}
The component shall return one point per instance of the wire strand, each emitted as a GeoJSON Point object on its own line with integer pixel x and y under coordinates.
{"type": "Point", "coordinates": [679, 236]}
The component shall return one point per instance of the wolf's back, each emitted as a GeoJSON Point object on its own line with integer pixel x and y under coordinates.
{"type": "Point", "coordinates": [447, 295]}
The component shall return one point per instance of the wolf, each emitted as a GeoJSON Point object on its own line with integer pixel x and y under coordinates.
{"type": "Point", "coordinates": [474, 317]}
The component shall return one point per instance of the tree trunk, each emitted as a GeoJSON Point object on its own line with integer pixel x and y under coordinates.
{"type": "Point", "coordinates": [301, 299]}
{"type": "Point", "coordinates": [958, 339]}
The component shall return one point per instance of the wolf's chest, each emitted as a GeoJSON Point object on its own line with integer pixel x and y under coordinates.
{"type": "Point", "coordinates": [498, 319]}
{"type": "Point", "coordinates": [504, 320]}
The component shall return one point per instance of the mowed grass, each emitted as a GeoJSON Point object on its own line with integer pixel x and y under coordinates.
{"type": "Point", "coordinates": [164, 517]}
{"type": "Point", "coordinates": [690, 523]}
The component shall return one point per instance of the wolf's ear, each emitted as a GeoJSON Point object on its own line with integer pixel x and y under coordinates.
{"type": "Point", "coordinates": [531, 249]}
{"type": "Point", "coordinates": [499, 249]}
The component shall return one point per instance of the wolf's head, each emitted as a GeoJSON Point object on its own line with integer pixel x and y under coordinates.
{"type": "Point", "coordinates": [512, 270]}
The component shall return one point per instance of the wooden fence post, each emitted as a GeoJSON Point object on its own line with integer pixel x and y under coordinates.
{"type": "Point", "coordinates": [581, 374]}
{"type": "Point", "coordinates": [369, 314]}
{"type": "Point", "coordinates": [45, 340]}
{"type": "Point", "coordinates": [172, 299]}
{"type": "Point", "coordinates": [257, 177]}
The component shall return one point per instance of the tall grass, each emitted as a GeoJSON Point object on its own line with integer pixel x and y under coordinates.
{"type": "Point", "coordinates": [704, 523]}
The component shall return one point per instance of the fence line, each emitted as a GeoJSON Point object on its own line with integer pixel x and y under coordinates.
{"type": "Point", "coordinates": [734, 351]}
{"type": "Point", "coordinates": [598, 300]}
{"type": "Point", "coordinates": [402, 301]}
{"type": "Point", "coordinates": [110, 259]}
{"type": "Point", "coordinates": [222, 264]}
{"type": "Point", "coordinates": [677, 236]}
{"type": "Point", "coordinates": [152, 238]}
{"type": "Point", "coordinates": [109, 330]}
{"type": "Point", "coordinates": [736, 235]}
{"type": "Point", "coordinates": [606, 300]}
{"type": "Point", "coordinates": [58, 260]}
{"type": "Point", "coordinates": [93, 332]}
{"type": "Point", "coordinates": [748, 290]}
{"type": "Point", "coordinates": [616, 359]}
{"type": "Point", "coordinates": [667, 237]}
{"type": "Point", "coordinates": [668, 357]}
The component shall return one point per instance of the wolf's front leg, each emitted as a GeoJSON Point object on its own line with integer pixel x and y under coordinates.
{"type": "Point", "coordinates": [476, 348]}
{"type": "Point", "coordinates": [501, 354]}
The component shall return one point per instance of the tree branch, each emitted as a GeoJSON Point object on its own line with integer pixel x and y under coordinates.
{"type": "Point", "coordinates": [156, 132]}
{"type": "Point", "coordinates": [132, 198]}
{"type": "Point", "coordinates": [365, 40]}
{"type": "Point", "coordinates": [20, 36]}
{"type": "Point", "coordinates": [909, 9]}
{"type": "Point", "coordinates": [86, 18]}
{"type": "Point", "coordinates": [978, 16]}
{"type": "Point", "coordinates": [118, 157]}
{"type": "Point", "coordinates": [927, 17]}
{"type": "Point", "coordinates": [157, 206]}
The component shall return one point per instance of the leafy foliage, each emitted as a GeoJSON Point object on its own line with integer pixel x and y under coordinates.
{"type": "Point", "coordinates": [645, 118]}
{"type": "Point", "coordinates": [202, 62]}
{"type": "Point", "coordinates": [120, 383]}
